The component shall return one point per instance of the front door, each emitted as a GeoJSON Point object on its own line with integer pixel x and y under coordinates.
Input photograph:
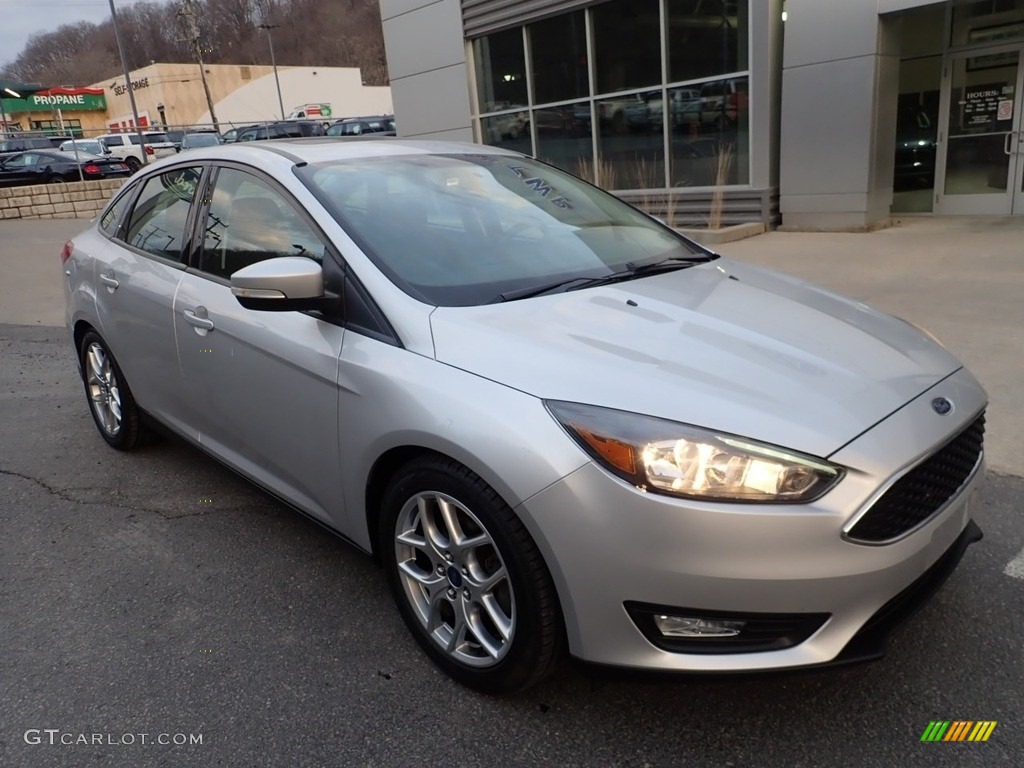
{"type": "Point", "coordinates": [262, 386]}
{"type": "Point", "coordinates": [981, 146]}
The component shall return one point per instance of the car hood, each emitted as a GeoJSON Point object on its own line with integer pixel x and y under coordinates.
{"type": "Point", "coordinates": [722, 345]}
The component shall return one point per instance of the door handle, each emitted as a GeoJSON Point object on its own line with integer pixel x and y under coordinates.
{"type": "Point", "coordinates": [198, 319]}
{"type": "Point", "coordinates": [109, 281]}
{"type": "Point", "coordinates": [1007, 141]}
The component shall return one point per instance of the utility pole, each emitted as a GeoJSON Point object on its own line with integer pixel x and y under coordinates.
{"type": "Point", "coordinates": [188, 12]}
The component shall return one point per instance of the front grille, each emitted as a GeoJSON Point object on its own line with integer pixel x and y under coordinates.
{"type": "Point", "coordinates": [924, 490]}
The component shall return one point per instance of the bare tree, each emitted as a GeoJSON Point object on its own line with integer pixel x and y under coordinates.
{"type": "Point", "coordinates": [336, 33]}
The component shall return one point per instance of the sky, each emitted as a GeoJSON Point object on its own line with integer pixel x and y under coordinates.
{"type": "Point", "coordinates": [23, 18]}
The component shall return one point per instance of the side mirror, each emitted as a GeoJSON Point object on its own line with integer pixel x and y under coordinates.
{"type": "Point", "coordinates": [284, 284]}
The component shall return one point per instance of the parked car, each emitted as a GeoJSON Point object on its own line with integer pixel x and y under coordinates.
{"type": "Point", "coordinates": [40, 166]}
{"type": "Point", "coordinates": [282, 129]}
{"type": "Point", "coordinates": [507, 127]}
{"type": "Point", "coordinates": [722, 102]}
{"type": "Point", "coordinates": [557, 423]}
{"type": "Point", "coordinates": [684, 105]}
{"type": "Point", "coordinates": [84, 146]}
{"type": "Point", "coordinates": [382, 125]}
{"type": "Point", "coordinates": [175, 135]}
{"type": "Point", "coordinates": [199, 139]}
{"type": "Point", "coordinates": [10, 145]}
{"type": "Point", "coordinates": [155, 144]}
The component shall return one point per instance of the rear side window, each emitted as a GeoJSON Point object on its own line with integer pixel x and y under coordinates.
{"type": "Point", "coordinates": [158, 220]}
{"type": "Point", "coordinates": [112, 215]}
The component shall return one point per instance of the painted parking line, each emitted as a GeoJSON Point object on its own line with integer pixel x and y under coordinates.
{"type": "Point", "coordinates": [1015, 568]}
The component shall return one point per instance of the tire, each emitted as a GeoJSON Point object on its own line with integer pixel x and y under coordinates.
{"type": "Point", "coordinates": [111, 402]}
{"type": "Point", "coordinates": [132, 163]}
{"type": "Point", "coordinates": [483, 609]}
{"type": "Point", "coordinates": [55, 180]}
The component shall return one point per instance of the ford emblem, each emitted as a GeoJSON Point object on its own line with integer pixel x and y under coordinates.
{"type": "Point", "coordinates": [941, 406]}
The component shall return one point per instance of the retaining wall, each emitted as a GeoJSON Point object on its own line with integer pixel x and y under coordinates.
{"type": "Point", "coordinates": [74, 200]}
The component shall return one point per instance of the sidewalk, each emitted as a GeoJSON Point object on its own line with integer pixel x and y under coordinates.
{"type": "Point", "coordinates": [961, 278]}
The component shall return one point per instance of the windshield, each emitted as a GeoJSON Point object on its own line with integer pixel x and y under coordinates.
{"type": "Point", "coordinates": [461, 230]}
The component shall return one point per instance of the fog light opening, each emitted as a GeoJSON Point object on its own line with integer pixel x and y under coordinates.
{"type": "Point", "coordinates": [696, 627]}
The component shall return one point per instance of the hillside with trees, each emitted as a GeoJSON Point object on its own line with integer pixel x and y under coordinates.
{"type": "Point", "coordinates": [326, 33]}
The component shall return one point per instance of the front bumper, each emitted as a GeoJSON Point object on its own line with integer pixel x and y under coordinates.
{"type": "Point", "coordinates": [610, 545]}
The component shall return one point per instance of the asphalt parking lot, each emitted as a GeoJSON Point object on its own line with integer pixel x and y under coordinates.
{"type": "Point", "coordinates": [154, 596]}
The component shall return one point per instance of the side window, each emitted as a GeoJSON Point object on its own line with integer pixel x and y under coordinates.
{"type": "Point", "coordinates": [112, 141]}
{"type": "Point", "coordinates": [111, 216]}
{"type": "Point", "coordinates": [249, 221]}
{"type": "Point", "coordinates": [158, 220]}
{"type": "Point", "coordinates": [23, 161]}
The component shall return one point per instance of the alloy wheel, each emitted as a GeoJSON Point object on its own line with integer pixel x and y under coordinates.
{"type": "Point", "coordinates": [455, 579]}
{"type": "Point", "coordinates": [104, 390]}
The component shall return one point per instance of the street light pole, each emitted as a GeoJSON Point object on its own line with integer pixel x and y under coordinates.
{"type": "Point", "coordinates": [3, 112]}
{"type": "Point", "coordinates": [273, 63]}
{"type": "Point", "coordinates": [128, 83]}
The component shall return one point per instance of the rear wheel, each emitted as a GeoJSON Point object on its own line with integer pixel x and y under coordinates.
{"type": "Point", "coordinates": [55, 180]}
{"type": "Point", "coordinates": [132, 163]}
{"type": "Point", "coordinates": [468, 579]}
{"type": "Point", "coordinates": [110, 400]}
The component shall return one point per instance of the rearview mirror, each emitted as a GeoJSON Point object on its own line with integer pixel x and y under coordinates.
{"type": "Point", "coordinates": [283, 284]}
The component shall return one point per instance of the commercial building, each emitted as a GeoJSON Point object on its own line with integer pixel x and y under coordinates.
{"type": "Point", "coordinates": [173, 95]}
{"type": "Point", "coordinates": [819, 114]}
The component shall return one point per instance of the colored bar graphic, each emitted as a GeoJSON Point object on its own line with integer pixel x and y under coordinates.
{"type": "Point", "coordinates": [959, 730]}
{"type": "Point", "coordinates": [935, 730]}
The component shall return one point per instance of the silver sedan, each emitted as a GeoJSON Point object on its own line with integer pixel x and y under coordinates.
{"type": "Point", "coordinates": [559, 425]}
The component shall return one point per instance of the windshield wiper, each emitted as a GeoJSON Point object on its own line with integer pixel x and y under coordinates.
{"type": "Point", "coordinates": [631, 272]}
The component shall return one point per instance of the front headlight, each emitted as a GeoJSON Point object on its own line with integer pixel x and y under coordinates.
{"type": "Point", "coordinates": [683, 460]}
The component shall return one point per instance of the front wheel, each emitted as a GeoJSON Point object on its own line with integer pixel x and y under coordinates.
{"type": "Point", "coordinates": [132, 163]}
{"type": "Point", "coordinates": [468, 579]}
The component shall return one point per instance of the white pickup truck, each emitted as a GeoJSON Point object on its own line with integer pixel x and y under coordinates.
{"type": "Point", "coordinates": [156, 144]}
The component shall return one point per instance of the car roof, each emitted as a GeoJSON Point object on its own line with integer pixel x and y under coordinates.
{"type": "Point", "coordinates": [319, 149]}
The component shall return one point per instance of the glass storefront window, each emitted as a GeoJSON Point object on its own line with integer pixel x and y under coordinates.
{"type": "Point", "coordinates": [917, 128]}
{"type": "Point", "coordinates": [618, 138]}
{"type": "Point", "coordinates": [987, 22]}
{"type": "Point", "coordinates": [631, 141]}
{"type": "Point", "coordinates": [710, 140]}
{"type": "Point", "coordinates": [510, 130]}
{"type": "Point", "coordinates": [558, 50]}
{"type": "Point", "coordinates": [564, 138]}
{"type": "Point", "coordinates": [706, 38]}
{"type": "Point", "coordinates": [500, 70]}
{"type": "Point", "coordinates": [627, 48]}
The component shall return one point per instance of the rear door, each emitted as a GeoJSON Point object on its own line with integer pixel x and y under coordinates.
{"type": "Point", "coordinates": [136, 279]}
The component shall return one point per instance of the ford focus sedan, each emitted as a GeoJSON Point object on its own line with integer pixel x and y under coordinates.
{"type": "Point", "coordinates": [559, 426]}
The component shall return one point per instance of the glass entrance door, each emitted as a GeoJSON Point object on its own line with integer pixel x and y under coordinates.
{"type": "Point", "coordinates": [981, 149]}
